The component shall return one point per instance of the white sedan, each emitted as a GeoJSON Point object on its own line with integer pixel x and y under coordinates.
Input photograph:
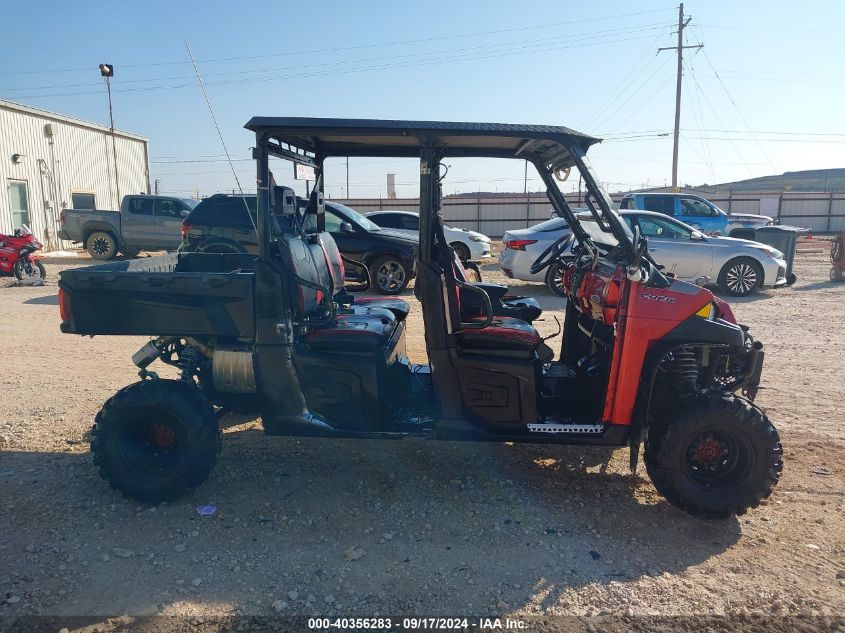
{"type": "Point", "coordinates": [739, 267]}
{"type": "Point", "coordinates": [469, 245]}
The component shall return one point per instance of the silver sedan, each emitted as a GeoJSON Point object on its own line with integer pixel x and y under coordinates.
{"type": "Point", "coordinates": [739, 267]}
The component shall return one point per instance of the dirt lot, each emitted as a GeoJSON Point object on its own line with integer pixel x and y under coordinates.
{"type": "Point", "coordinates": [442, 528]}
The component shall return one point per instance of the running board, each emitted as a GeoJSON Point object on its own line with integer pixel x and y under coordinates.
{"type": "Point", "coordinates": [592, 429]}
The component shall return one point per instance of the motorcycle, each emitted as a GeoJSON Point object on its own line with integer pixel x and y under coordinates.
{"type": "Point", "coordinates": [16, 255]}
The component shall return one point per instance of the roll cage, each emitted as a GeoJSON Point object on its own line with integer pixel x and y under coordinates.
{"type": "Point", "coordinates": [309, 141]}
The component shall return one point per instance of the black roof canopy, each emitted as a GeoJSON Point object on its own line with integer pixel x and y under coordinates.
{"type": "Point", "coordinates": [377, 137]}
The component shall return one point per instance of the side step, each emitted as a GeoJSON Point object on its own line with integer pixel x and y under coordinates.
{"type": "Point", "coordinates": [593, 429]}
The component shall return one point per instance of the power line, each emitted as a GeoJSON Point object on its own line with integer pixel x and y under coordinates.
{"type": "Point", "coordinates": [492, 51]}
{"type": "Point", "coordinates": [352, 47]}
{"type": "Point", "coordinates": [415, 55]}
{"type": "Point", "coordinates": [738, 111]}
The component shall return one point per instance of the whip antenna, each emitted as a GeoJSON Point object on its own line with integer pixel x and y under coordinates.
{"type": "Point", "coordinates": [220, 134]}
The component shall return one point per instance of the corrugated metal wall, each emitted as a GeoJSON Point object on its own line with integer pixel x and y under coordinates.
{"type": "Point", "coordinates": [819, 212]}
{"type": "Point", "coordinates": [77, 158]}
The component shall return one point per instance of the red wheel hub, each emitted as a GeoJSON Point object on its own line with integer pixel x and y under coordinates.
{"type": "Point", "coordinates": [163, 436]}
{"type": "Point", "coordinates": [708, 450]}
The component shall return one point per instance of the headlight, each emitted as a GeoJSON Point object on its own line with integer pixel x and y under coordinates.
{"type": "Point", "coordinates": [479, 238]}
{"type": "Point", "coordinates": [771, 252]}
{"type": "Point", "coordinates": [707, 312]}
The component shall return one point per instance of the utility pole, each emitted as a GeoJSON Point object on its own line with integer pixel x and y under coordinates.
{"type": "Point", "coordinates": [107, 71]}
{"type": "Point", "coordinates": [347, 177]}
{"type": "Point", "coordinates": [680, 48]}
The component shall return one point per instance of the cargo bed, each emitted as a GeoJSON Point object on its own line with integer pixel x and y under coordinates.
{"type": "Point", "coordinates": [183, 294]}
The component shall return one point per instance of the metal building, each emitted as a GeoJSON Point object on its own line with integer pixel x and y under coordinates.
{"type": "Point", "coordinates": [49, 162]}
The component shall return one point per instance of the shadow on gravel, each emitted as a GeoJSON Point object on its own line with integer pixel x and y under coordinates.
{"type": "Point", "coordinates": [408, 526]}
{"type": "Point", "coordinates": [48, 300]}
{"type": "Point", "coordinates": [819, 284]}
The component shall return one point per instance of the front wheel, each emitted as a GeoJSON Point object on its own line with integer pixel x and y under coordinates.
{"type": "Point", "coordinates": [390, 274]}
{"type": "Point", "coordinates": [741, 276]}
{"type": "Point", "coordinates": [156, 440]}
{"type": "Point", "coordinates": [29, 269]}
{"type": "Point", "coordinates": [717, 455]}
{"type": "Point", "coordinates": [461, 250]}
{"type": "Point", "coordinates": [554, 278]}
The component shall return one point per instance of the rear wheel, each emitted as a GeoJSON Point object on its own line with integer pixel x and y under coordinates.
{"type": "Point", "coordinates": [554, 278]}
{"type": "Point", "coordinates": [741, 276]}
{"type": "Point", "coordinates": [101, 245]}
{"type": "Point", "coordinates": [719, 455]}
{"type": "Point", "coordinates": [26, 269]}
{"type": "Point", "coordinates": [461, 250]}
{"type": "Point", "coordinates": [835, 274]}
{"type": "Point", "coordinates": [390, 275]}
{"type": "Point", "coordinates": [156, 440]}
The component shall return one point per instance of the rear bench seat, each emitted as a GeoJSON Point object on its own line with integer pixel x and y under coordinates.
{"type": "Point", "coordinates": [334, 277]}
{"type": "Point", "coordinates": [366, 329]}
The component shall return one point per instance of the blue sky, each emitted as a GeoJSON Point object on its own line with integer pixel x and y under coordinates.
{"type": "Point", "coordinates": [764, 96]}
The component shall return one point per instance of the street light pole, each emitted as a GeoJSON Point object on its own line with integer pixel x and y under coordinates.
{"type": "Point", "coordinates": [107, 71]}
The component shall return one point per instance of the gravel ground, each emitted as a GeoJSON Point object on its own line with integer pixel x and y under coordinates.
{"type": "Point", "coordinates": [360, 528]}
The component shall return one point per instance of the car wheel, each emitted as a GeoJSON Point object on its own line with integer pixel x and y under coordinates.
{"type": "Point", "coordinates": [741, 276]}
{"type": "Point", "coordinates": [101, 245]}
{"type": "Point", "coordinates": [390, 275]}
{"type": "Point", "coordinates": [554, 278]}
{"type": "Point", "coordinates": [461, 250]}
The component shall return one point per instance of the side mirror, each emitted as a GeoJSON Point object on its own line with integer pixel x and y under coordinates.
{"type": "Point", "coordinates": [184, 213]}
{"type": "Point", "coordinates": [346, 227]}
{"type": "Point", "coordinates": [696, 236]}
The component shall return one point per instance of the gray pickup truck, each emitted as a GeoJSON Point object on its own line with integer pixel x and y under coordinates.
{"type": "Point", "coordinates": [143, 223]}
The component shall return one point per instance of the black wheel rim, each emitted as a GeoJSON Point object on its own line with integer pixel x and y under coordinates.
{"type": "Point", "coordinates": [149, 445]}
{"type": "Point", "coordinates": [717, 459]}
{"type": "Point", "coordinates": [390, 276]}
{"type": "Point", "coordinates": [100, 245]}
{"type": "Point", "coordinates": [741, 278]}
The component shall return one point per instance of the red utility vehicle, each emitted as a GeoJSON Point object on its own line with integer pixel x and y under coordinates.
{"type": "Point", "coordinates": [643, 356]}
{"type": "Point", "coordinates": [17, 255]}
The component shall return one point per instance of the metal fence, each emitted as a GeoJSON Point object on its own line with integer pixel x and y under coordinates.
{"type": "Point", "coordinates": [493, 215]}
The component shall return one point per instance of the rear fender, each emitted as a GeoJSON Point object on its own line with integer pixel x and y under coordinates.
{"type": "Point", "coordinates": [92, 227]}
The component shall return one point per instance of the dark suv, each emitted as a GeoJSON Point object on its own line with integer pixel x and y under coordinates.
{"type": "Point", "coordinates": [220, 224]}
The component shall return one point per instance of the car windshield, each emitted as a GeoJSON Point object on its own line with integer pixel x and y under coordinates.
{"type": "Point", "coordinates": [190, 202]}
{"type": "Point", "coordinates": [356, 217]}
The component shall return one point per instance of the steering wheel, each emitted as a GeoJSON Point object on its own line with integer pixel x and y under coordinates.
{"type": "Point", "coordinates": [552, 253]}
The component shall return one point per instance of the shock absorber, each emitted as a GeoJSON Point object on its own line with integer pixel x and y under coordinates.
{"type": "Point", "coordinates": [681, 365]}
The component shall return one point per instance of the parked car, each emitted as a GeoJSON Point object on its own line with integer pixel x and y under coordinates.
{"type": "Point", "coordinates": [737, 266]}
{"type": "Point", "coordinates": [220, 224]}
{"type": "Point", "coordinates": [469, 245]}
{"type": "Point", "coordinates": [697, 212]}
{"type": "Point", "coordinates": [143, 223]}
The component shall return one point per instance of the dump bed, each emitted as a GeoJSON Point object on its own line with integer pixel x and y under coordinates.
{"type": "Point", "coordinates": [184, 294]}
